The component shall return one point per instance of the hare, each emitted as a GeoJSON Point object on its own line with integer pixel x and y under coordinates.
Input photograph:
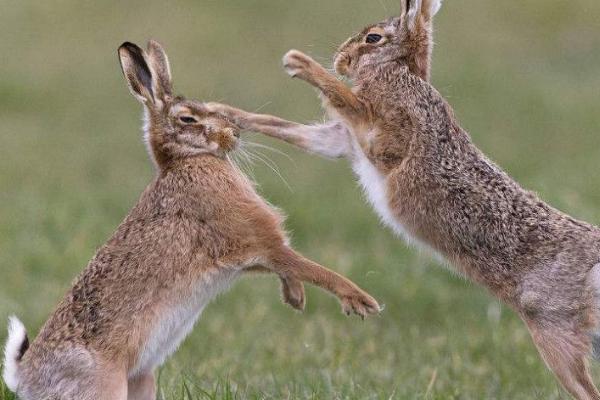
{"type": "Point", "coordinates": [427, 181]}
{"type": "Point", "coordinates": [196, 228]}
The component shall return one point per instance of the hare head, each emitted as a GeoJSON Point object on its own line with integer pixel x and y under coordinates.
{"type": "Point", "coordinates": [175, 128]}
{"type": "Point", "coordinates": [406, 40]}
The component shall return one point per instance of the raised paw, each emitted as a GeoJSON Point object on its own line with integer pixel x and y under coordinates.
{"type": "Point", "coordinates": [292, 291]}
{"type": "Point", "coordinates": [218, 108]}
{"type": "Point", "coordinates": [297, 64]}
{"type": "Point", "coordinates": [359, 303]}
{"type": "Point", "coordinates": [227, 112]}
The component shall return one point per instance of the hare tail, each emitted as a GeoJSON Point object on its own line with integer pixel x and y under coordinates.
{"type": "Point", "coordinates": [594, 281]}
{"type": "Point", "coordinates": [16, 346]}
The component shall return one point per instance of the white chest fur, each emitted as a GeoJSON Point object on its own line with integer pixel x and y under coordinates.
{"type": "Point", "coordinates": [374, 185]}
{"type": "Point", "coordinates": [177, 321]}
{"type": "Point", "coordinates": [375, 189]}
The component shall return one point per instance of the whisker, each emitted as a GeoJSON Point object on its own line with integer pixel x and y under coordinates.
{"type": "Point", "coordinates": [274, 150]}
{"type": "Point", "coordinates": [263, 106]}
{"type": "Point", "coordinates": [244, 163]}
{"type": "Point", "coordinates": [248, 160]}
{"type": "Point", "coordinates": [322, 60]}
{"type": "Point", "coordinates": [258, 153]}
{"type": "Point", "coordinates": [385, 9]}
{"type": "Point", "coordinates": [272, 166]}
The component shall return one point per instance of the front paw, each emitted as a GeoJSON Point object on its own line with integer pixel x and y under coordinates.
{"type": "Point", "coordinates": [218, 108]}
{"type": "Point", "coordinates": [292, 291]}
{"type": "Point", "coordinates": [359, 303]}
{"type": "Point", "coordinates": [226, 112]}
{"type": "Point", "coordinates": [298, 64]}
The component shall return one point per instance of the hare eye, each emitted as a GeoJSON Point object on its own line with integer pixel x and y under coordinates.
{"type": "Point", "coordinates": [373, 38]}
{"type": "Point", "coordinates": [188, 120]}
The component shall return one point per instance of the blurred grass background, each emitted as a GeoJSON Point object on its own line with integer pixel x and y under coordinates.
{"type": "Point", "coordinates": [523, 77]}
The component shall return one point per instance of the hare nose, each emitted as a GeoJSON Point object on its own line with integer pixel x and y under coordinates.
{"type": "Point", "coordinates": [232, 131]}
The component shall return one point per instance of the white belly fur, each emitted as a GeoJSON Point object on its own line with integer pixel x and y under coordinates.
{"type": "Point", "coordinates": [177, 322]}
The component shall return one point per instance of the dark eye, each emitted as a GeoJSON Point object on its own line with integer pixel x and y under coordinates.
{"type": "Point", "coordinates": [187, 120]}
{"type": "Point", "coordinates": [373, 38]}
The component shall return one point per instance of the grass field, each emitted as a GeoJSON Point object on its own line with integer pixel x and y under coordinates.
{"type": "Point", "coordinates": [523, 77]}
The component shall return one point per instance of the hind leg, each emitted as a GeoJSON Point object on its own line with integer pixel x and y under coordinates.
{"type": "Point", "coordinates": [565, 352]}
{"type": "Point", "coordinates": [73, 375]}
{"type": "Point", "coordinates": [110, 390]}
{"type": "Point", "coordinates": [142, 387]}
{"type": "Point", "coordinates": [78, 390]}
{"type": "Point", "coordinates": [105, 384]}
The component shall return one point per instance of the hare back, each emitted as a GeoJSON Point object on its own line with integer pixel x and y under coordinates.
{"type": "Point", "coordinates": [176, 320]}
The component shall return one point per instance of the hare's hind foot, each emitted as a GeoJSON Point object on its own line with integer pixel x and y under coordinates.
{"type": "Point", "coordinates": [141, 387]}
{"type": "Point", "coordinates": [565, 349]}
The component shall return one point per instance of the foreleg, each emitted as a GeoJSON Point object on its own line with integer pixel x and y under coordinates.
{"type": "Point", "coordinates": [330, 140]}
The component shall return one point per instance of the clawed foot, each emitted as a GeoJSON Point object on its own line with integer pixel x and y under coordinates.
{"type": "Point", "coordinates": [359, 303]}
{"type": "Point", "coordinates": [298, 64]}
{"type": "Point", "coordinates": [225, 111]}
{"type": "Point", "coordinates": [216, 108]}
{"type": "Point", "coordinates": [292, 291]}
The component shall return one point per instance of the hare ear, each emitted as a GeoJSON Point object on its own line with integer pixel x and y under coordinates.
{"type": "Point", "coordinates": [411, 9]}
{"type": "Point", "coordinates": [136, 72]}
{"type": "Point", "coordinates": [431, 8]}
{"type": "Point", "coordinates": [159, 64]}
{"type": "Point", "coordinates": [404, 5]}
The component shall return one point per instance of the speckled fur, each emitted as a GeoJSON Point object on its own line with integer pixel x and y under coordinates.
{"type": "Point", "coordinates": [196, 227]}
{"type": "Point", "coordinates": [443, 191]}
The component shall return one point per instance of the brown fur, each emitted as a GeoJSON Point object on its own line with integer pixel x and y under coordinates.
{"type": "Point", "coordinates": [199, 220]}
{"type": "Point", "coordinates": [444, 192]}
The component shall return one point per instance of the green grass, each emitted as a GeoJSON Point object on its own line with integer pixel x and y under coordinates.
{"type": "Point", "coordinates": [523, 77]}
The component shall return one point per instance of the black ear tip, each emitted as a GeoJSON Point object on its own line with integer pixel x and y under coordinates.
{"type": "Point", "coordinates": [131, 47]}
